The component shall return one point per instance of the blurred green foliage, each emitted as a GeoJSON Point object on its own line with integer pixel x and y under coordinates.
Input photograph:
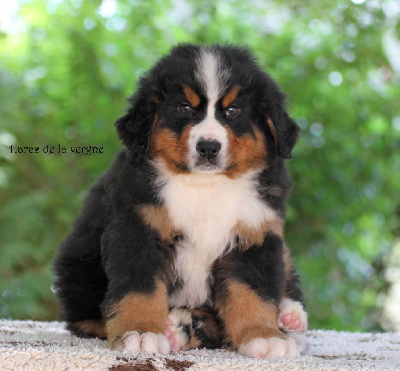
{"type": "Point", "coordinates": [67, 66]}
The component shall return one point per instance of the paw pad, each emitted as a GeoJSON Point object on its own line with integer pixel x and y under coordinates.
{"type": "Point", "coordinates": [292, 317]}
{"type": "Point", "coordinates": [176, 321]}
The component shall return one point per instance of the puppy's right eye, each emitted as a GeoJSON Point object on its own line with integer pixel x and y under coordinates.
{"type": "Point", "coordinates": [185, 108]}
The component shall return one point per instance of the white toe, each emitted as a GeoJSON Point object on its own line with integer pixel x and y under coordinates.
{"type": "Point", "coordinates": [299, 339]}
{"type": "Point", "coordinates": [163, 344]}
{"type": "Point", "coordinates": [271, 348]}
{"type": "Point", "coordinates": [149, 343]}
{"type": "Point", "coordinates": [133, 342]}
{"type": "Point", "coordinates": [130, 342]}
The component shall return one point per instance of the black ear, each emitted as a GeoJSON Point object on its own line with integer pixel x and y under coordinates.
{"type": "Point", "coordinates": [134, 129]}
{"type": "Point", "coordinates": [284, 130]}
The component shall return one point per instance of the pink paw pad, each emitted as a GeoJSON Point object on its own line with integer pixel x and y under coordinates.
{"type": "Point", "coordinates": [173, 333]}
{"type": "Point", "coordinates": [170, 334]}
{"type": "Point", "coordinates": [286, 319]}
{"type": "Point", "coordinates": [292, 316]}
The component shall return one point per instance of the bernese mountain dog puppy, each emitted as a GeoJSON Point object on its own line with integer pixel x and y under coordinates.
{"type": "Point", "coordinates": [180, 243]}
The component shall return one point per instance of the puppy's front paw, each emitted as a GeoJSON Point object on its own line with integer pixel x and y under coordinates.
{"type": "Point", "coordinates": [292, 316]}
{"type": "Point", "coordinates": [271, 348]}
{"type": "Point", "coordinates": [133, 342]}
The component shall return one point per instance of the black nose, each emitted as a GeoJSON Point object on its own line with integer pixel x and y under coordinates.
{"type": "Point", "coordinates": [208, 148]}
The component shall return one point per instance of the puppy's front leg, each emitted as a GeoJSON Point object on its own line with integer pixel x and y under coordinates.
{"type": "Point", "coordinates": [137, 322]}
{"type": "Point", "coordinates": [136, 304]}
{"type": "Point", "coordinates": [250, 286]}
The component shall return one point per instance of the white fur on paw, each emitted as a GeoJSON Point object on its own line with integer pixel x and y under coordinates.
{"type": "Point", "coordinates": [292, 316]}
{"type": "Point", "coordinates": [271, 348]}
{"type": "Point", "coordinates": [177, 338]}
{"type": "Point", "coordinates": [299, 338]}
{"type": "Point", "coordinates": [133, 342]}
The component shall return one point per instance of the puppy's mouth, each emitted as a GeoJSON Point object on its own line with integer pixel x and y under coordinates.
{"type": "Point", "coordinates": [208, 165]}
{"type": "Point", "coordinates": [207, 168]}
{"type": "Point", "coordinates": [203, 164]}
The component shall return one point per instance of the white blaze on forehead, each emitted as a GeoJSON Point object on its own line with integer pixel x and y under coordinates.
{"type": "Point", "coordinates": [208, 74]}
{"type": "Point", "coordinates": [212, 76]}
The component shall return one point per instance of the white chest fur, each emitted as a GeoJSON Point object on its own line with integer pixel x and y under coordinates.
{"type": "Point", "coordinates": [206, 208]}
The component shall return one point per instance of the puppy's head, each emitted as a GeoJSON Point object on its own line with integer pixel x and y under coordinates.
{"type": "Point", "coordinates": [208, 109]}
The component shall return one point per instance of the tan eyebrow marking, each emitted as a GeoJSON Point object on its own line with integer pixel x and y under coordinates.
{"type": "Point", "coordinates": [273, 131]}
{"type": "Point", "coordinates": [230, 97]}
{"type": "Point", "coordinates": [191, 96]}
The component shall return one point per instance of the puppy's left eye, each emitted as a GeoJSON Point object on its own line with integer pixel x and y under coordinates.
{"type": "Point", "coordinates": [185, 108]}
{"type": "Point", "coordinates": [232, 111]}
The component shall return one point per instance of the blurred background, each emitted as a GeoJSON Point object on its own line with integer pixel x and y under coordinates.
{"type": "Point", "coordinates": [66, 67]}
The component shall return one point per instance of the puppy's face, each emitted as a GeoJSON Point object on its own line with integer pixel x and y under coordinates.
{"type": "Point", "coordinates": [214, 111]}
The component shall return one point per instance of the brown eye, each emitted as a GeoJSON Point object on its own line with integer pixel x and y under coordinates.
{"type": "Point", "coordinates": [185, 108]}
{"type": "Point", "coordinates": [232, 111]}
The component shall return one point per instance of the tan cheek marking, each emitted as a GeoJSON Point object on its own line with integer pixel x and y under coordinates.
{"type": "Point", "coordinates": [157, 217]}
{"type": "Point", "coordinates": [230, 97]}
{"type": "Point", "coordinates": [191, 96]}
{"type": "Point", "coordinates": [250, 236]}
{"type": "Point", "coordinates": [246, 316]}
{"type": "Point", "coordinates": [173, 149]}
{"type": "Point", "coordinates": [138, 312]}
{"type": "Point", "coordinates": [91, 327]}
{"type": "Point", "coordinates": [245, 152]}
{"type": "Point", "coordinates": [273, 131]}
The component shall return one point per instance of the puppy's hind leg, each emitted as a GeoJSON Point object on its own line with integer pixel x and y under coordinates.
{"type": "Point", "coordinates": [80, 281]}
{"type": "Point", "coordinates": [80, 286]}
